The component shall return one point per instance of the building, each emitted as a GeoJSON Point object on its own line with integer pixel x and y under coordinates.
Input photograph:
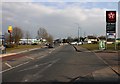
{"type": "Point", "coordinates": [91, 39]}
{"type": "Point", "coordinates": [31, 41]}
{"type": "Point", "coordinates": [102, 38]}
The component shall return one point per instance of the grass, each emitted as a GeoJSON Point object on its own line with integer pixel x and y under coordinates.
{"type": "Point", "coordinates": [90, 46]}
{"type": "Point", "coordinates": [22, 47]}
{"type": "Point", "coordinates": [96, 46]}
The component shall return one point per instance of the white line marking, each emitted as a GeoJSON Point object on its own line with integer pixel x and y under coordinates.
{"type": "Point", "coordinates": [26, 80]}
{"type": "Point", "coordinates": [29, 57]}
{"type": "Point", "coordinates": [14, 67]}
{"type": "Point", "coordinates": [49, 52]}
{"type": "Point", "coordinates": [53, 49]}
{"type": "Point", "coordinates": [37, 75]}
{"type": "Point", "coordinates": [41, 57]}
{"type": "Point", "coordinates": [50, 63]}
{"type": "Point", "coordinates": [8, 65]}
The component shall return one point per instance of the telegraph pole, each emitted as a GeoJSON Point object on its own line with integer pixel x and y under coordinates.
{"type": "Point", "coordinates": [78, 35]}
{"type": "Point", "coordinates": [78, 32]}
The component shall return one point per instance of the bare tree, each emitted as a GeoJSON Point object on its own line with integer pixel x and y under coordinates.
{"type": "Point", "coordinates": [7, 37]}
{"type": "Point", "coordinates": [17, 34]}
{"type": "Point", "coordinates": [42, 33]}
{"type": "Point", "coordinates": [27, 36]}
{"type": "Point", "coordinates": [50, 38]}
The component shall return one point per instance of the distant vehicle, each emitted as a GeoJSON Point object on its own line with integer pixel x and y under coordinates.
{"type": "Point", "coordinates": [74, 43]}
{"type": "Point", "coordinates": [51, 45]}
{"type": "Point", "coordinates": [79, 43]}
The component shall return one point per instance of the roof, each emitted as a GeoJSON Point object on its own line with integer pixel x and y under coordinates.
{"type": "Point", "coordinates": [92, 37]}
{"type": "Point", "coordinates": [102, 38]}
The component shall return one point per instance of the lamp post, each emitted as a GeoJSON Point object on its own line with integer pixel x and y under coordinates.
{"type": "Point", "coordinates": [78, 32]}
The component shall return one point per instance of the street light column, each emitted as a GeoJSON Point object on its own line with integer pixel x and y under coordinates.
{"type": "Point", "coordinates": [78, 34]}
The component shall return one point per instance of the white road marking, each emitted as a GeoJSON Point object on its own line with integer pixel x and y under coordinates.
{"type": "Point", "coordinates": [49, 52]}
{"type": "Point", "coordinates": [50, 63]}
{"type": "Point", "coordinates": [41, 57]}
{"type": "Point", "coordinates": [29, 57]}
{"type": "Point", "coordinates": [14, 67]}
{"type": "Point", "coordinates": [8, 65]}
{"type": "Point", "coordinates": [26, 80]}
{"type": "Point", "coordinates": [30, 78]}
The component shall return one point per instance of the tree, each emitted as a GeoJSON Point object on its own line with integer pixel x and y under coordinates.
{"type": "Point", "coordinates": [7, 38]}
{"type": "Point", "coordinates": [27, 36]}
{"type": "Point", "coordinates": [42, 33]}
{"type": "Point", "coordinates": [50, 38]}
{"type": "Point", "coordinates": [69, 39]}
{"type": "Point", "coordinates": [17, 34]}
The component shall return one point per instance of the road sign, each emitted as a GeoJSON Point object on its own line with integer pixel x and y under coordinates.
{"type": "Point", "coordinates": [111, 27]}
{"type": "Point", "coordinates": [110, 16]}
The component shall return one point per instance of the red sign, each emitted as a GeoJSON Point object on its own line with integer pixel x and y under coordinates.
{"type": "Point", "coordinates": [111, 16]}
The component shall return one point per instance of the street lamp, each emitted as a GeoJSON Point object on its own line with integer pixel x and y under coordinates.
{"type": "Point", "coordinates": [78, 32]}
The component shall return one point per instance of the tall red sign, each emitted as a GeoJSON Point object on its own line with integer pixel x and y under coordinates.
{"type": "Point", "coordinates": [111, 21]}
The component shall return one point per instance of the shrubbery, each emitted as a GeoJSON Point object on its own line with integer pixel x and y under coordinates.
{"type": "Point", "coordinates": [10, 45]}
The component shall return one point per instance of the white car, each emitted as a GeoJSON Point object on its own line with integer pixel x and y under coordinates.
{"type": "Point", "coordinates": [79, 43]}
{"type": "Point", "coordinates": [73, 43]}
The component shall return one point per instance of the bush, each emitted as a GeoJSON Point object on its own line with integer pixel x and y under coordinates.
{"type": "Point", "coordinates": [34, 44]}
{"type": "Point", "coordinates": [10, 46]}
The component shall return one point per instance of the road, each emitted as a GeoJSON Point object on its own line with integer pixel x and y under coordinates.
{"type": "Point", "coordinates": [60, 64]}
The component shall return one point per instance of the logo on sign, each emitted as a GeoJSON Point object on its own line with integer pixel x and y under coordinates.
{"type": "Point", "coordinates": [111, 16]}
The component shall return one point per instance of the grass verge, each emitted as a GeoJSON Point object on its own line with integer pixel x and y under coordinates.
{"type": "Point", "coordinates": [22, 48]}
{"type": "Point", "coordinates": [96, 46]}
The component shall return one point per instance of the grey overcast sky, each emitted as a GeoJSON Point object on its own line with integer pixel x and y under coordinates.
{"type": "Point", "coordinates": [58, 18]}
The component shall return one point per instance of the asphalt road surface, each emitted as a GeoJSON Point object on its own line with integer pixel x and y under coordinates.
{"type": "Point", "coordinates": [60, 64]}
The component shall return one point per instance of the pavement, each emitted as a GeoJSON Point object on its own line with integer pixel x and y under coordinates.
{"type": "Point", "coordinates": [110, 58]}
{"type": "Point", "coordinates": [15, 52]}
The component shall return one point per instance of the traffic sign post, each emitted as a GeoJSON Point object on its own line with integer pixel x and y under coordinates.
{"type": "Point", "coordinates": [111, 25]}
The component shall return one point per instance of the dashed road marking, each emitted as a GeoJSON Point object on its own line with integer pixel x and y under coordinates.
{"type": "Point", "coordinates": [29, 57]}
{"type": "Point", "coordinates": [14, 67]}
{"type": "Point", "coordinates": [49, 52]}
{"type": "Point", "coordinates": [8, 65]}
{"type": "Point", "coordinates": [41, 57]}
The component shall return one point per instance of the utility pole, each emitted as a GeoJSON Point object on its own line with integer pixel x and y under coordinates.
{"type": "Point", "coordinates": [78, 32]}
{"type": "Point", "coordinates": [78, 35]}
{"type": "Point", "coordinates": [84, 34]}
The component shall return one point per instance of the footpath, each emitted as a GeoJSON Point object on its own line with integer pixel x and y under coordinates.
{"type": "Point", "coordinates": [18, 51]}
{"type": "Point", "coordinates": [110, 58]}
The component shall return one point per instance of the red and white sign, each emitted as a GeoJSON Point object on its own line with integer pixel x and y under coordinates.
{"type": "Point", "coordinates": [111, 16]}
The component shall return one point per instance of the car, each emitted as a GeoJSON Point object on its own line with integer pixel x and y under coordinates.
{"type": "Point", "coordinates": [73, 43]}
{"type": "Point", "coordinates": [79, 43]}
{"type": "Point", "coordinates": [51, 45]}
